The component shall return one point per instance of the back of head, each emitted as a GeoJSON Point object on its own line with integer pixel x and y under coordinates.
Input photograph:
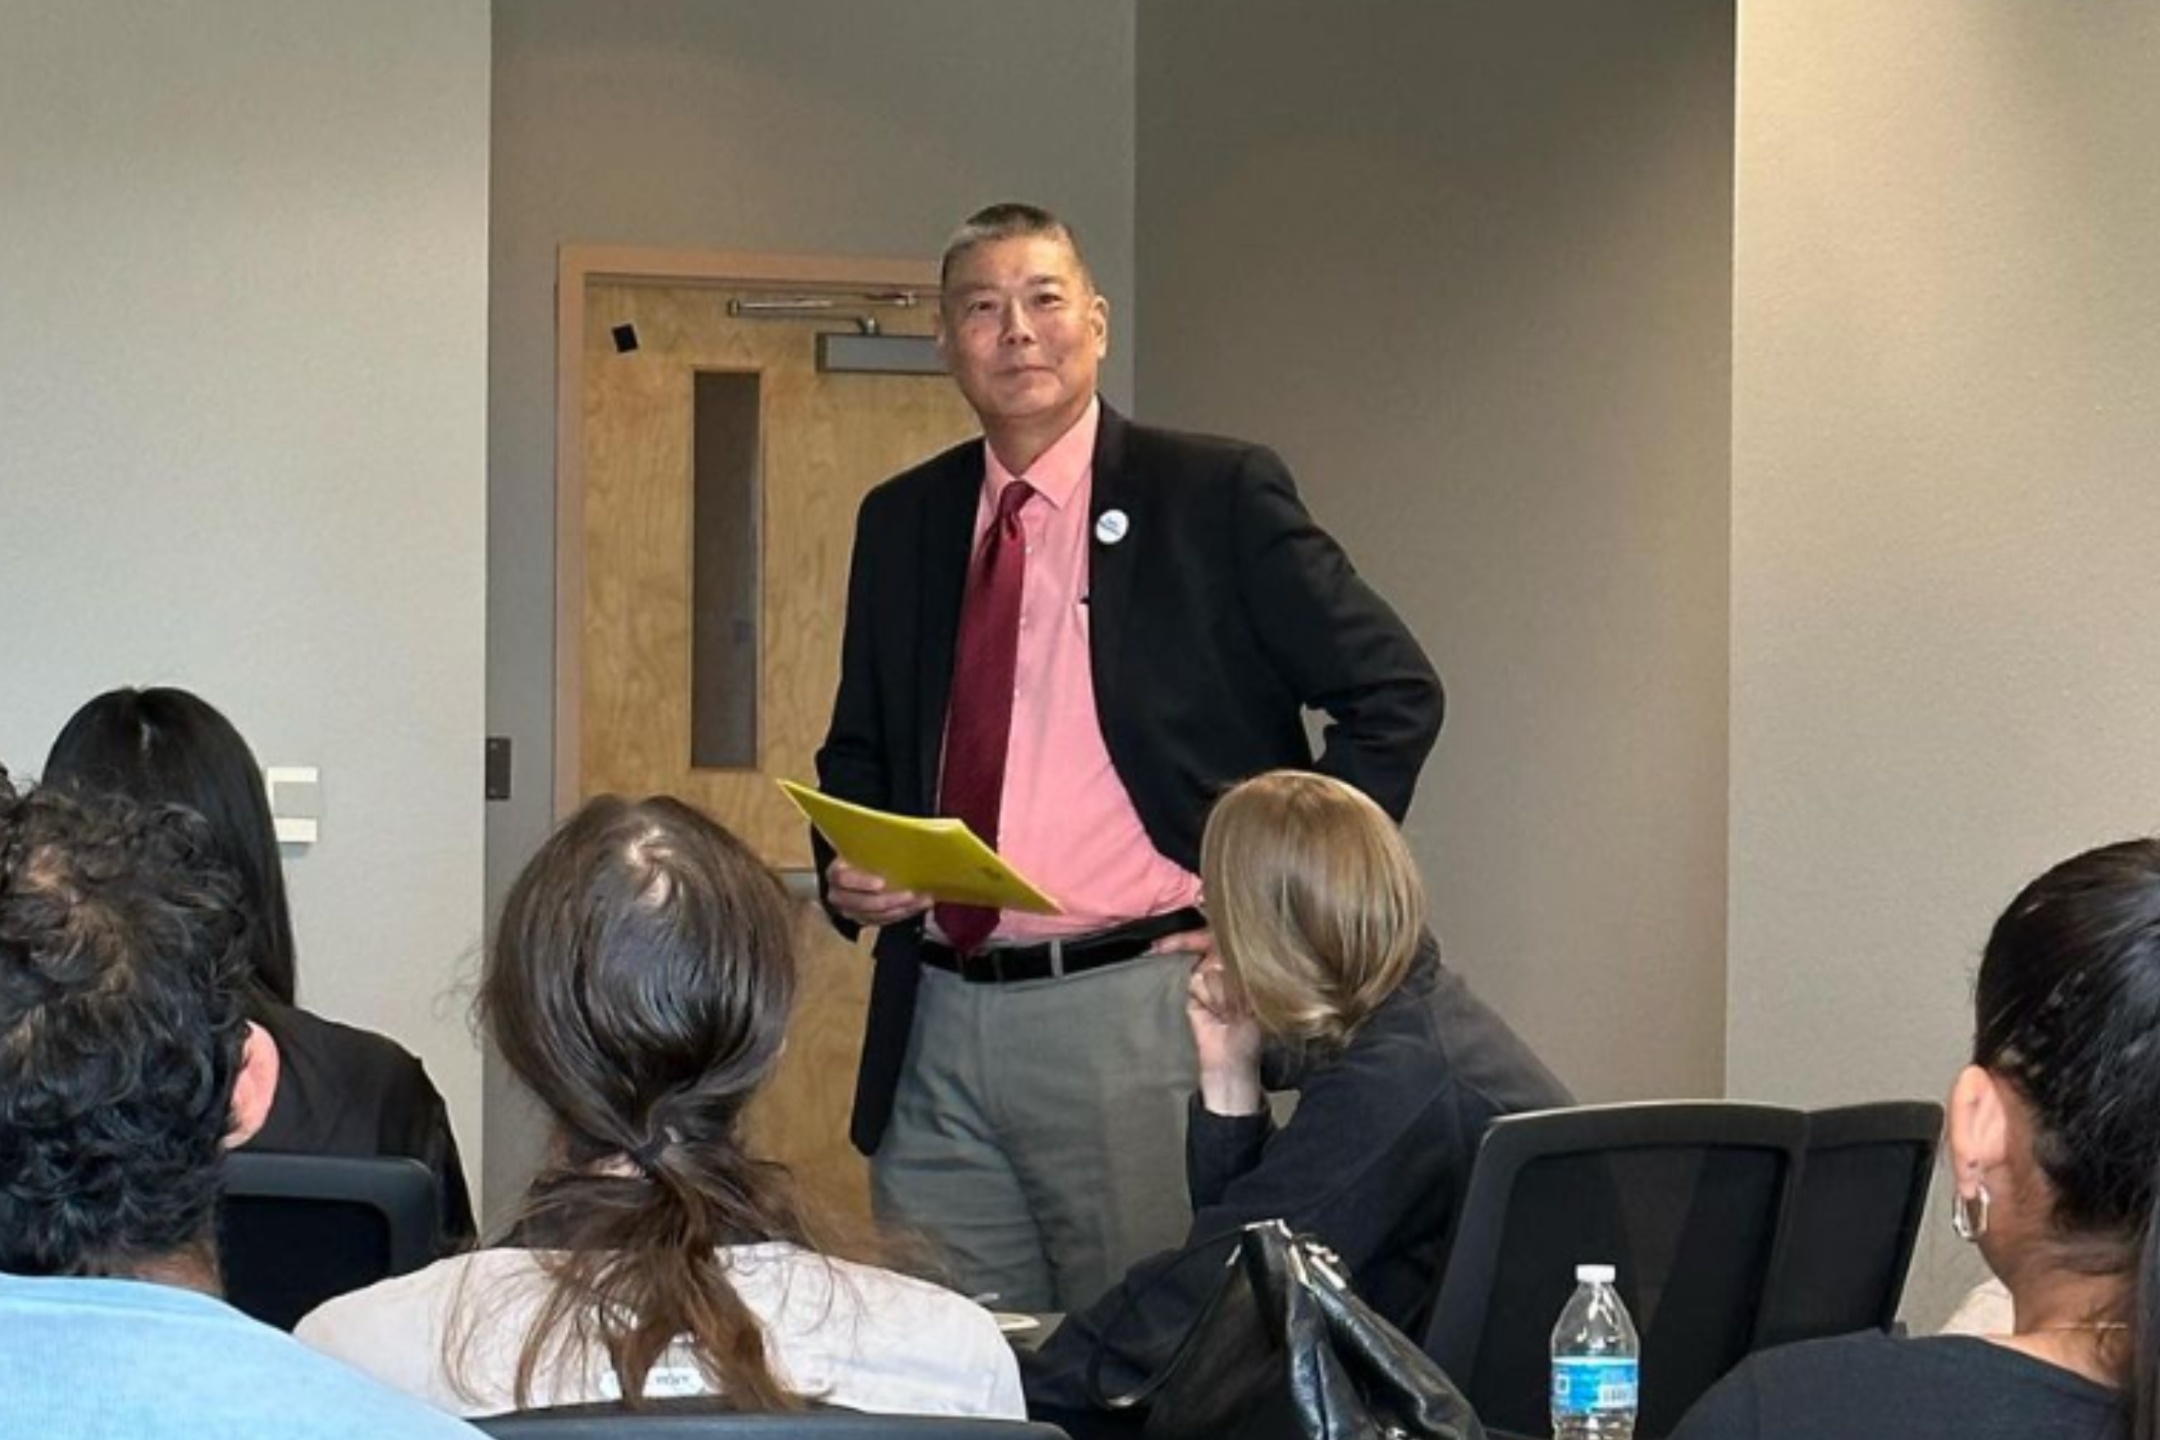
{"type": "Point", "coordinates": [640, 984]}
{"type": "Point", "coordinates": [1316, 904]}
{"type": "Point", "coordinates": [2068, 1011]}
{"type": "Point", "coordinates": [1008, 220]}
{"type": "Point", "coordinates": [2068, 1008]}
{"type": "Point", "coordinates": [641, 978]}
{"type": "Point", "coordinates": [164, 746]}
{"type": "Point", "coordinates": [121, 1032]}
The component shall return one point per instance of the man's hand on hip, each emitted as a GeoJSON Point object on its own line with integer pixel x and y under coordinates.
{"type": "Point", "coordinates": [866, 899]}
{"type": "Point", "coordinates": [1185, 942]}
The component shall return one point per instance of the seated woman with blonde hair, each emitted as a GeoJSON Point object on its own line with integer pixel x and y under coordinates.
{"type": "Point", "coordinates": [1324, 980]}
{"type": "Point", "coordinates": [640, 984]}
{"type": "Point", "coordinates": [2053, 1137]}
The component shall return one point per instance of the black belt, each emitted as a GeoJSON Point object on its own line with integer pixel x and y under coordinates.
{"type": "Point", "coordinates": [1011, 963]}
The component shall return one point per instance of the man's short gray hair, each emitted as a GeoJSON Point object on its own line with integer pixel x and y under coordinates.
{"type": "Point", "coordinates": [1007, 220]}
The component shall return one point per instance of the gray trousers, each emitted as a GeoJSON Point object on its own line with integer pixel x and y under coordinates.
{"type": "Point", "coordinates": [1038, 1131]}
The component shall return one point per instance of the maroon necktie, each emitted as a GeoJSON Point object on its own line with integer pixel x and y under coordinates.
{"type": "Point", "coordinates": [978, 726]}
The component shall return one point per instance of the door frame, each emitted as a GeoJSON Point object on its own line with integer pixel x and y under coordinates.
{"type": "Point", "coordinates": [575, 267]}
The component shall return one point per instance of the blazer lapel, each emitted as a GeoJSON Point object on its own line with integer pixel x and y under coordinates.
{"type": "Point", "coordinates": [948, 537]}
{"type": "Point", "coordinates": [1116, 492]}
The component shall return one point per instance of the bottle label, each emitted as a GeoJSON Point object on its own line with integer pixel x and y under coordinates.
{"type": "Point", "coordinates": [1582, 1384]}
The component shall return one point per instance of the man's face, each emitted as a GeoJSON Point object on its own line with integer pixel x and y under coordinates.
{"type": "Point", "coordinates": [1022, 330]}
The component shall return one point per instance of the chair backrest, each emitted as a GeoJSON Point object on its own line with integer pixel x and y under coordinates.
{"type": "Point", "coordinates": [295, 1230]}
{"type": "Point", "coordinates": [1686, 1199]}
{"type": "Point", "coordinates": [703, 1418]}
{"type": "Point", "coordinates": [1855, 1219]}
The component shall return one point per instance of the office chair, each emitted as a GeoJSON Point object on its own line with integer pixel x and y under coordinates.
{"type": "Point", "coordinates": [1855, 1220]}
{"type": "Point", "coordinates": [296, 1230]}
{"type": "Point", "coordinates": [1687, 1199]}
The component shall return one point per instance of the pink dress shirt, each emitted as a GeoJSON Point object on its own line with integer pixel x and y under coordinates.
{"type": "Point", "coordinates": [1065, 820]}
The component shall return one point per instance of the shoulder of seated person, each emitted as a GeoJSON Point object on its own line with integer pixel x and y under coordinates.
{"type": "Point", "coordinates": [747, 1259]}
{"type": "Point", "coordinates": [347, 1046]}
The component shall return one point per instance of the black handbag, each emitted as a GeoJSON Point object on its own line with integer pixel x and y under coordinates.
{"type": "Point", "coordinates": [1285, 1350]}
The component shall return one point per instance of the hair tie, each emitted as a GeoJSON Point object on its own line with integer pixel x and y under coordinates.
{"type": "Point", "coordinates": [646, 1153]}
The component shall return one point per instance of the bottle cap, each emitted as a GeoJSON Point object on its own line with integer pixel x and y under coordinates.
{"type": "Point", "coordinates": [1594, 1274]}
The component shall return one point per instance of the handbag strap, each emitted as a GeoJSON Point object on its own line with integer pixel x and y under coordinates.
{"type": "Point", "coordinates": [1145, 1391]}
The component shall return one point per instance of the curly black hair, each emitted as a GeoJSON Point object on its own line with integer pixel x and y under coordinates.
{"type": "Point", "coordinates": [122, 965]}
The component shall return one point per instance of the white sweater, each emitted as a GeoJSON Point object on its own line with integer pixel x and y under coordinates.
{"type": "Point", "coordinates": [836, 1332]}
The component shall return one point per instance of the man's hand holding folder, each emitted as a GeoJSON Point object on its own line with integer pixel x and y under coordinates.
{"type": "Point", "coordinates": [916, 860]}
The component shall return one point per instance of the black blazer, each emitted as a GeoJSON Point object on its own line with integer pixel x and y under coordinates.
{"type": "Point", "coordinates": [1219, 617]}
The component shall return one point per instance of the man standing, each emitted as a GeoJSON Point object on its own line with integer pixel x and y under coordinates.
{"type": "Point", "coordinates": [1073, 635]}
{"type": "Point", "coordinates": [127, 1066]}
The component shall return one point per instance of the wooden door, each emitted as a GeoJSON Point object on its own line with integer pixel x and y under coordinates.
{"type": "Point", "coordinates": [822, 440]}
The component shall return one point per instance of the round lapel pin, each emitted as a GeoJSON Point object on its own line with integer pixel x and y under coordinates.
{"type": "Point", "coordinates": [1111, 525]}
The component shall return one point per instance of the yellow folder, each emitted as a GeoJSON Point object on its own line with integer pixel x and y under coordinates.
{"type": "Point", "coordinates": [941, 858]}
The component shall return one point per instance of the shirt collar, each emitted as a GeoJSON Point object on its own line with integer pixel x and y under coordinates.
{"type": "Point", "coordinates": [1058, 471]}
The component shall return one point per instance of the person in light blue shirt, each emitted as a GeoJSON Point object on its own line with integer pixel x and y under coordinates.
{"type": "Point", "coordinates": [86, 1358]}
{"type": "Point", "coordinates": [127, 1066]}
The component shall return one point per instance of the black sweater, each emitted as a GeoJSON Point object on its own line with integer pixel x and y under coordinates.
{"type": "Point", "coordinates": [1944, 1387]}
{"type": "Point", "coordinates": [346, 1091]}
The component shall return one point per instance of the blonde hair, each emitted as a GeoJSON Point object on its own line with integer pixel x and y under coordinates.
{"type": "Point", "coordinates": [1316, 904]}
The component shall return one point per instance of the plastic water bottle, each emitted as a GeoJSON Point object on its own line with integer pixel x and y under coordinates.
{"type": "Point", "coordinates": [1596, 1361]}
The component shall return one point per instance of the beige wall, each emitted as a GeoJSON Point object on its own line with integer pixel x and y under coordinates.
{"type": "Point", "coordinates": [819, 126]}
{"type": "Point", "coordinates": [1467, 267]}
{"type": "Point", "coordinates": [1946, 514]}
{"type": "Point", "coordinates": [243, 249]}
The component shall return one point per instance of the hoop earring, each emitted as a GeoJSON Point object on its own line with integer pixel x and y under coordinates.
{"type": "Point", "coordinates": [1969, 1214]}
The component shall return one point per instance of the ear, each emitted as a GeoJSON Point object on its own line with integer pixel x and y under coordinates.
{"type": "Point", "coordinates": [255, 1087]}
{"type": "Point", "coordinates": [1977, 1127]}
{"type": "Point", "coordinates": [1099, 323]}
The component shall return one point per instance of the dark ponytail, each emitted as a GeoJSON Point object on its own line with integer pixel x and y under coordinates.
{"type": "Point", "coordinates": [2144, 1386]}
{"type": "Point", "coordinates": [640, 983]}
{"type": "Point", "coordinates": [2068, 1010]}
